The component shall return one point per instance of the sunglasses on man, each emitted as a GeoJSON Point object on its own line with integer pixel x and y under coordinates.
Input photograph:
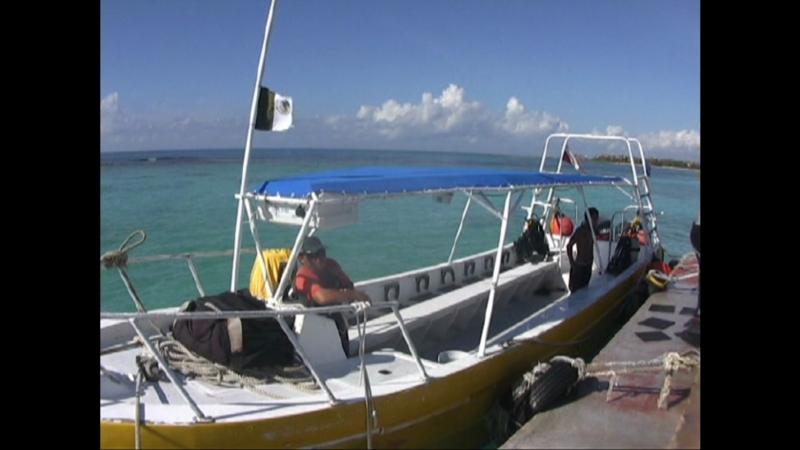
{"type": "Point", "coordinates": [316, 255]}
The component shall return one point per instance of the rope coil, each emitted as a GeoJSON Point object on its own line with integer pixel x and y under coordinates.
{"type": "Point", "coordinates": [119, 258]}
{"type": "Point", "coordinates": [191, 364]}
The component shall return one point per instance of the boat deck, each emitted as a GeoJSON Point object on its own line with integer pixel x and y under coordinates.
{"type": "Point", "coordinates": [631, 419]}
{"type": "Point", "coordinates": [164, 403]}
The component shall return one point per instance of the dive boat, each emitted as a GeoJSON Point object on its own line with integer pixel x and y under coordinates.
{"type": "Point", "coordinates": [433, 351]}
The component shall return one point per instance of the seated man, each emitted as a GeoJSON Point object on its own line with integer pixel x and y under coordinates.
{"type": "Point", "coordinates": [323, 282]}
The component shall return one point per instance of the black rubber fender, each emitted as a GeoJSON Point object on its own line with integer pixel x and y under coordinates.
{"type": "Point", "coordinates": [551, 385]}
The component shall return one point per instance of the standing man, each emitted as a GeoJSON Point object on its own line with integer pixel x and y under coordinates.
{"type": "Point", "coordinates": [580, 271]}
{"type": "Point", "coordinates": [694, 237]}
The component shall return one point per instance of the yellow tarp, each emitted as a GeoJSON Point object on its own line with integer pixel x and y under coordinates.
{"type": "Point", "coordinates": [276, 258]}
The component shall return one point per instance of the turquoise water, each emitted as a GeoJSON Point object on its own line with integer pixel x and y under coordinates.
{"type": "Point", "coordinates": [184, 202]}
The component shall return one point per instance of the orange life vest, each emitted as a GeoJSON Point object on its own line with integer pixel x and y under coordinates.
{"type": "Point", "coordinates": [562, 226]}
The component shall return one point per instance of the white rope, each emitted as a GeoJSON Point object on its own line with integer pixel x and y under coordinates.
{"type": "Point", "coordinates": [576, 363]}
{"type": "Point", "coordinates": [669, 362]}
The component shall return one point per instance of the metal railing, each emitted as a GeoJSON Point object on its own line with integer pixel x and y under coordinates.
{"type": "Point", "coordinates": [641, 187]}
{"type": "Point", "coordinates": [294, 310]}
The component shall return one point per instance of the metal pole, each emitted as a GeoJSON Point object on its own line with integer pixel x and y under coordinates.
{"type": "Point", "coordinates": [237, 239]}
{"type": "Point", "coordinates": [137, 437]}
{"type": "Point", "coordinates": [544, 153]}
{"type": "Point", "coordinates": [636, 189]}
{"type": "Point", "coordinates": [287, 272]}
{"type": "Point", "coordinates": [195, 276]}
{"type": "Point", "coordinates": [299, 349]}
{"type": "Point", "coordinates": [654, 235]}
{"type": "Point", "coordinates": [546, 208]}
{"type": "Point", "coordinates": [518, 201]}
{"type": "Point", "coordinates": [458, 233]}
{"type": "Point", "coordinates": [541, 167]}
{"type": "Point", "coordinates": [168, 372]}
{"type": "Point", "coordinates": [411, 347]}
{"type": "Point", "coordinates": [633, 167]}
{"type": "Point", "coordinates": [481, 199]}
{"type": "Point", "coordinates": [495, 277]}
{"type": "Point", "coordinates": [259, 250]}
{"type": "Point", "coordinates": [134, 295]}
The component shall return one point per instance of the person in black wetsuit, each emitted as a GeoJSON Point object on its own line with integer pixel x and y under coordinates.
{"type": "Point", "coordinates": [580, 271]}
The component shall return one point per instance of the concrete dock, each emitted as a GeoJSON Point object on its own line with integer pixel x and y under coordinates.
{"type": "Point", "coordinates": [630, 417]}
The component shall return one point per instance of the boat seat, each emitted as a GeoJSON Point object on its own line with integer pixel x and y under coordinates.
{"type": "Point", "coordinates": [319, 338]}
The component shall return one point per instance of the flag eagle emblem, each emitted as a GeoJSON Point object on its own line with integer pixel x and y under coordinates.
{"type": "Point", "coordinates": [274, 111]}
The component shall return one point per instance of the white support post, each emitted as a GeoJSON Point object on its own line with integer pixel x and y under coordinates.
{"type": "Point", "coordinates": [237, 239]}
{"type": "Point", "coordinates": [259, 250]}
{"type": "Point", "coordinates": [195, 275]}
{"type": "Point", "coordinates": [123, 273]}
{"type": "Point", "coordinates": [460, 227]}
{"type": "Point", "coordinates": [409, 342]}
{"type": "Point", "coordinates": [481, 199]}
{"type": "Point", "coordinates": [558, 170]}
{"type": "Point", "coordinates": [277, 295]}
{"type": "Point", "coordinates": [529, 210]}
{"type": "Point", "coordinates": [550, 191]}
{"type": "Point", "coordinates": [544, 153]}
{"type": "Point", "coordinates": [633, 166]}
{"type": "Point", "coordinates": [495, 276]}
{"type": "Point", "coordinates": [517, 201]}
{"type": "Point", "coordinates": [536, 191]}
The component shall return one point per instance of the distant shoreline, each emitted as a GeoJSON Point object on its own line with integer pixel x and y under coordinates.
{"type": "Point", "coordinates": [655, 162]}
{"type": "Point", "coordinates": [690, 169]}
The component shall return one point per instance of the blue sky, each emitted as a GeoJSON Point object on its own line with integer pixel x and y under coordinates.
{"type": "Point", "coordinates": [439, 75]}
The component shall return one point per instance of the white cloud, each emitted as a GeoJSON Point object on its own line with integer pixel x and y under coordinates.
{"type": "Point", "coordinates": [518, 122]}
{"type": "Point", "coordinates": [122, 130]}
{"type": "Point", "coordinates": [447, 113]}
{"type": "Point", "coordinates": [109, 112]}
{"type": "Point", "coordinates": [687, 140]}
{"type": "Point", "coordinates": [110, 104]}
{"type": "Point", "coordinates": [450, 121]}
{"type": "Point", "coordinates": [611, 130]}
{"type": "Point", "coordinates": [665, 141]}
{"type": "Point", "coordinates": [453, 116]}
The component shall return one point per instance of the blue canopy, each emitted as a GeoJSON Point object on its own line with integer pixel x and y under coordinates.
{"type": "Point", "coordinates": [395, 180]}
